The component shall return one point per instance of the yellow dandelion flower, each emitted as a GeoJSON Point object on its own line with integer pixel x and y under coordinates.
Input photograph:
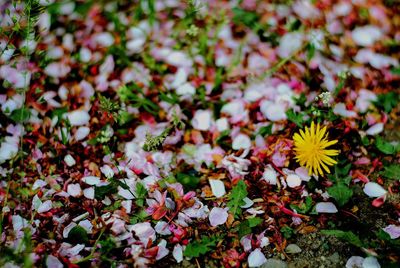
{"type": "Point", "coordinates": [310, 149]}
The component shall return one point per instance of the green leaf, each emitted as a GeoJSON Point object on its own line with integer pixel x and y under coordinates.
{"type": "Point", "coordinates": [387, 101]}
{"type": "Point", "coordinates": [395, 71]}
{"type": "Point", "coordinates": [287, 231]}
{"type": "Point", "coordinates": [239, 191]}
{"type": "Point", "coordinates": [100, 192]}
{"type": "Point", "coordinates": [341, 192]}
{"type": "Point", "coordinates": [139, 216]}
{"type": "Point", "coordinates": [301, 100]}
{"type": "Point", "coordinates": [140, 193]}
{"type": "Point", "coordinates": [245, 227]}
{"type": "Point", "coordinates": [171, 98]}
{"type": "Point", "coordinates": [310, 51]}
{"type": "Point", "coordinates": [381, 234]}
{"type": "Point", "coordinates": [341, 174]}
{"type": "Point", "coordinates": [295, 118]}
{"type": "Point", "coordinates": [200, 247]}
{"type": "Point", "coordinates": [188, 181]}
{"type": "Point", "coordinates": [78, 235]}
{"type": "Point", "coordinates": [391, 172]}
{"type": "Point", "coordinates": [385, 146]}
{"type": "Point", "coordinates": [20, 115]}
{"type": "Point", "coordinates": [348, 236]}
{"type": "Point", "coordinates": [305, 207]}
{"type": "Point", "coordinates": [266, 130]}
{"type": "Point", "coordinates": [59, 112]}
{"type": "Point", "coordinates": [247, 18]}
{"type": "Point", "coordinates": [253, 222]}
{"type": "Point", "coordinates": [222, 136]}
{"type": "Point", "coordinates": [107, 245]}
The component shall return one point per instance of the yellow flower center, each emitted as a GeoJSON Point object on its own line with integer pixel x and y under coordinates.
{"type": "Point", "coordinates": [310, 149]}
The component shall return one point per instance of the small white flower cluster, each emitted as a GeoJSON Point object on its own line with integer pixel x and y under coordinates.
{"type": "Point", "coordinates": [106, 134]}
{"type": "Point", "coordinates": [325, 97]}
{"type": "Point", "coordinates": [193, 30]}
{"type": "Point", "coordinates": [344, 74]}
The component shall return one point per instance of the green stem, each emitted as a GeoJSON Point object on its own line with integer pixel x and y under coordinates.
{"type": "Point", "coordinates": [4, 206]}
{"type": "Point", "coordinates": [90, 256]}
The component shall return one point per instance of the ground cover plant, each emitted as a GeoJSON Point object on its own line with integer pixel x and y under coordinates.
{"type": "Point", "coordinates": [196, 133]}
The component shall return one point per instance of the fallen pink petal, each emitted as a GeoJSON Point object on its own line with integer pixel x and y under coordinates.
{"type": "Point", "coordinates": [199, 133]}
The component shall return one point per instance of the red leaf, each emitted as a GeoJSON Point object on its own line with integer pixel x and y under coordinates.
{"type": "Point", "coordinates": [159, 213]}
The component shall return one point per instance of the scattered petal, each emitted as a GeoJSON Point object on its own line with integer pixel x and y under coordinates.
{"type": "Point", "coordinates": [372, 189]}
{"type": "Point", "coordinates": [393, 231]}
{"type": "Point", "coordinates": [256, 258]}
{"type": "Point", "coordinates": [218, 216]}
{"type": "Point", "coordinates": [217, 187]}
{"type": "Point", "coordinates": [326, 207]}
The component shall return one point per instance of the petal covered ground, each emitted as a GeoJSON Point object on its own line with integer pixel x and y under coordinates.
{"type": "Point", "coordinates": [199, 133]}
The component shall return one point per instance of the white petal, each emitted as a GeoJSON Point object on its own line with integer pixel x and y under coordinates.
{"type": "Point", "coordinates": [87, 225]}
{"type": "Point", "coordinates": [118, 226]}
{"type": "Point", "coordinates": [375, 129]}
{"type": "Point", "coordinates": [289, 43]}
{"type": "Point", "coordinates": [74, 190]}
{"type": "Point", "coordinates": [57, 69]}
{"type": "Point", "coordinates": [218, 216]}
{"type": "Point", "coordinates": [233, 108]}
{"type": "Point", "coordinates": [91, 180]}
{"type": "Point", "coordinates": [273, 111]}
{"type": "Point", "coordinates": [178, 253]}
{"type": "Point", "coordinates": [89, 193]}
{"type": "Point", "coordinates": [18, 222]}
{"type": "Point", "coordinates": [107, 171]}
{"type": "Point", "coordinates": [85, 54]}
{"type": "Point", "coordinates": [81, 133]}
{"type": "Point", "coordinates": [326, 207]}
{"type": "Point", "coordinates": [370, 262]}
{"type": "Point", "coordinates": [78, 117]}
{"type": "Point", "coordinates": [45, 206]}
{"type": "Point", "coordinates": [162, 250]}
{"type": "Point", "coordinates": [76, 249]}
{"type": "Point", "coordinates": [372, 189]}
{"type": "Point", "coordinates": [366, 35]}
{"type": "Point", "coordinates": [186, 89]}
{"type": "Point", "coordinates": [144, 231]}
{"type": "Point", "coordinates": [217, 188]}
{"type": "Point", "coordinates": [293, 180]}
{"type": "Point", "coordinates": [125, 193]}
{"type": "Point", "coordinates": [303, 173]}
{"type": "Point", "coordinates": [179, 59]}
{"type": "Point", "coordinates": [241, 141]}
{"type": "Point", "coordinates": [38, 184]}
{"type": "Point", "coordinates": [202, 120]}
{"type": "Point", "coordinates": [136, 45]}
{"type": "Point", "coordinates": [340, 109]}
{"type": "Point", "coordinates": [104, 39]}
{"type": "Point", "coordinates": [270, 175]}
{"type": "Point", "coordinates": [248, 202]}
{"type": "Point", "coordinates": [245, 241]}
{"type": "Point", "coordinates": [162, 228]}
{"type": "Point", "coordinates": [68, 228]}
{"type": "Point", "coordinates": [69, 160]}
{"type": "Point", "coordinates": [256, 258]}
{"type": "Point", "coordinates": [53, 262]}
{"type": "Point", "coordinates": [180, 78]}
{"type": "Point", "coordinates": [354, 262]}
{"type": "Point", "coordinates": [393, 231]}
{"type": "Point", "coordinates": [222, 124]}
{"type": "Point", "coordinates": [36, 202]}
